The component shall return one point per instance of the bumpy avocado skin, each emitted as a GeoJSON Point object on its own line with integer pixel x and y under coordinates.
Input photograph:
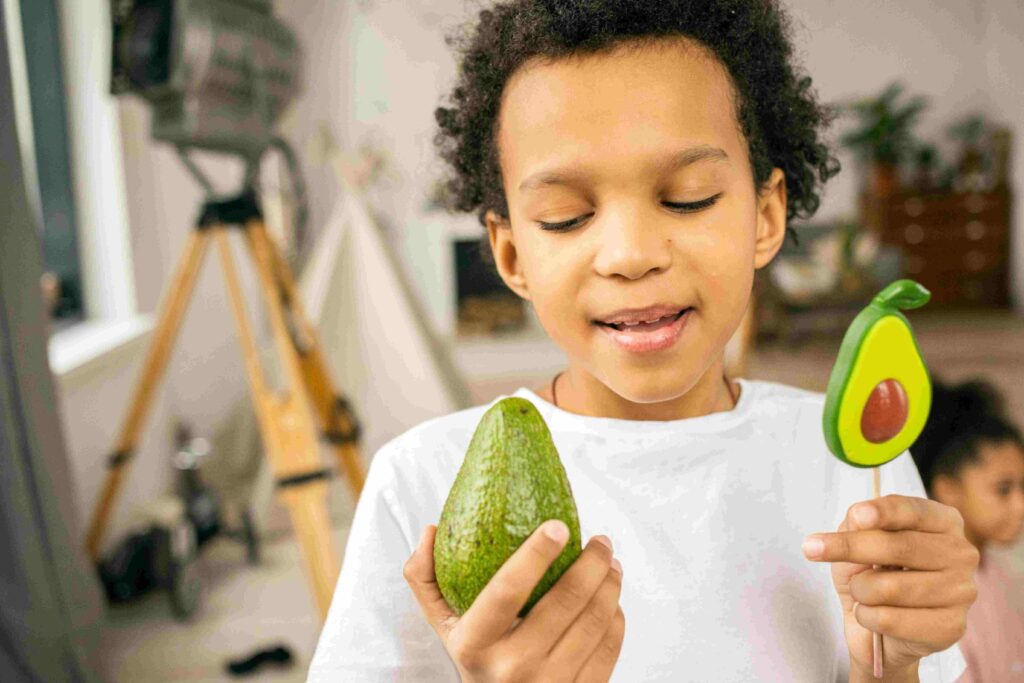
{"type": "Point", "coordinates": [510, 482]}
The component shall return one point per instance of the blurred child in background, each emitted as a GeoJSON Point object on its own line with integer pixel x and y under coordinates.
{"type": "Point", "coordinates": [972, 458]}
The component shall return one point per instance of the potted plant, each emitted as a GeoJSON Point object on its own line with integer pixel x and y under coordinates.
{"type": "Point", "coordinates": [883, 136]}
{"type": "Point", "coordinates": [972, 167]}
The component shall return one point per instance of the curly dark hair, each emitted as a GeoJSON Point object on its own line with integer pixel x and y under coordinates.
{"type": "Point", "coordinates": [777, 109]}
{"type": "Point", "coordinates": [963, 418]}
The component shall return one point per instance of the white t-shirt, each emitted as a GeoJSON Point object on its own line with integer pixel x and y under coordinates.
{"type": "Point", "coordinates": [706, 515]}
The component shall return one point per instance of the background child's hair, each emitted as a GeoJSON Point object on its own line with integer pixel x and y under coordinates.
{"type": "Point", "coordinates": [776, 107]}
{"type": "Point", "coordinates": [963, 418]}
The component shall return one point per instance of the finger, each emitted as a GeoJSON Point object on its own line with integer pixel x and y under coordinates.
{"type": "Point", "coordinates": [419, 574]}
{"type": "Point", "coordinates": [585, 634]}
{"type": "Point", "coordinates": [499, 603]}
{"type": "Point", "coordinates": [559, 607]}
{"type": "Point", "coordinates": [602, 662]}
{"type": "Point", "coordinates": [895, 513]}
{"type": "Point", "coordinates": [895, 588]}
{"type": "Point", "coordinates": [911, 549]}
{"type": "Point", "coordinates": [935, 628]}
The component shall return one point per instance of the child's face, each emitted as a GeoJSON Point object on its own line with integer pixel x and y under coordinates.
{"type": "Point", "coordinates": [990, 494]}
{"type": "Point", "coordinates": [628, 134]}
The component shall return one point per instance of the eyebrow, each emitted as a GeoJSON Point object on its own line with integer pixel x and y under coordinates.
{"type": "Point", "coordinates": [671, 162]}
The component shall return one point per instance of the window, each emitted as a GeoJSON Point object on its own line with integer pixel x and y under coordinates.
{"type": "Point", "coordinates": [42, 124]}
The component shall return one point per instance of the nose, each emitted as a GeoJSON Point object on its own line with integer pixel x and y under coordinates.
{"type": "Point", "coordinates": [631, 247]}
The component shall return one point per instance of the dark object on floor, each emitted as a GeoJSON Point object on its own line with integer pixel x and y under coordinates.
{"type": "Point", "coordinates": [161, 556]}
{"type": "Point", "coordinates": [280, 656]}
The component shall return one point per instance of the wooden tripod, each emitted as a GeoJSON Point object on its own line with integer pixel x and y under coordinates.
{"type": "Point", "coordinates": [286, 420]}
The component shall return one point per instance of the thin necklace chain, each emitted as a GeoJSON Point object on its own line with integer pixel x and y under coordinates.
{"type": "Point", "coordinates": [554, 393]}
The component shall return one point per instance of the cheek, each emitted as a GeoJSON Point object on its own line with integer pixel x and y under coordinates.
{"type": "Point", "coordinates": [553, 276]}
{"type": "Point", "coordinates": [988, 511]}
{"type": "Point", "coordinates": [723, 259]}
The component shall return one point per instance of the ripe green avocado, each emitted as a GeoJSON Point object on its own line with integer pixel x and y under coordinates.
{"type": "Point", "coordinates": [511, 481]}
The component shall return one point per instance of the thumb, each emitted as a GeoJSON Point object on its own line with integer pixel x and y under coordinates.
{"type": "Point", "coordinates": [419, 574]}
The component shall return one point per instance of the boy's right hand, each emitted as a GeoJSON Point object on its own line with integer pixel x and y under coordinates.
{"type": "Point", "coordinates": [573, 633]}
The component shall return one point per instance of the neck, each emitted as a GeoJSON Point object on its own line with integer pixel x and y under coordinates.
{"type": "Point", "coordinates": [578, 391]}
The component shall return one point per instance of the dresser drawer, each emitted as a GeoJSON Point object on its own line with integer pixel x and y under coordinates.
{"type": "Point", "coordinates": [952, 262]}
{"type": "Point", "coordinates": [956, 244]}
{"type": "Point", "coordinates": [974, 233]}
{"type": "Point", "coordinates": [992, 207]}
{"type": "Point", "coordinates": [981, 289]}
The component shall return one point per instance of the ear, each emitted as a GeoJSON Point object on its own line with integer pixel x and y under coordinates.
{"type": "Point", "coordinates": [947, 490]}
{"type": "Point", "coordinates": [771, 219]}
{"type": "Point", "coordinates": [506, 258]}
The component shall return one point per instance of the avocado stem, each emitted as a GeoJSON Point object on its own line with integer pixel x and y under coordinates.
{"type": "Point", "coordinates": [902, 294]}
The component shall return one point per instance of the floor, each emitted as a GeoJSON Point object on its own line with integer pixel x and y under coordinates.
{"type": "Point", "coordinates": [246, 607]}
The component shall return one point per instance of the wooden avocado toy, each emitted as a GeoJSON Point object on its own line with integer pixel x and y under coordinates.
{"type": "Point", "coordinates": [879, 394]}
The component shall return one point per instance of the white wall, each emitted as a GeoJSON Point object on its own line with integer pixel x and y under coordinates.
{"type": "Point", "coordinates": [1003, 53]}
{"type": "Point", "coordinates": [854, 49]}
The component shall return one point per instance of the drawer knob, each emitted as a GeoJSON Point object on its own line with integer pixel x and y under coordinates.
{"type": "Point", "coordinates": [913, 234]}
{"type": "Point", "coordinates": [975, 203]}
{"type": "Point", "coordinates": [975, 230]}
{"type": "Point", "coordinates": [975, 260]}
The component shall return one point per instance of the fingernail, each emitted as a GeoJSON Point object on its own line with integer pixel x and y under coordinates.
{"type": "Point", "coordinates": [556, 530]}
{"type": "Point", "coordinates": [813, 547]}
{"type": "Point", "coordinates": [866, 515]}
{"type": "Point", "coordinates": [605, 540]}
{"type": "Point", "coordinates": [616, 565]}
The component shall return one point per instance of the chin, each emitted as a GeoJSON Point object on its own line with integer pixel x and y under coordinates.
{"type": "Point", "coordinates": [652, 390]}
{"type": "Point", "coordinates": [1006, 538]}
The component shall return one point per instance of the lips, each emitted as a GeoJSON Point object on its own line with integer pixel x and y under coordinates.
{"type": "Point", "coordinates": [647, 337]}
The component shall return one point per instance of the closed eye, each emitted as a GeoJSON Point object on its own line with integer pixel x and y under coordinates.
{"type": "Point", "coordinates": [690, 207]}
{"type": "Point", "coordinates": [679, 207]}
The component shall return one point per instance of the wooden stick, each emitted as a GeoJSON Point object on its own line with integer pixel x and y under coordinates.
{"type": "Point", "coordinates": [876, 638]}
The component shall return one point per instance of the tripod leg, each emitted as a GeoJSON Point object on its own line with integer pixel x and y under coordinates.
{"type": "Point", "coordinates": [172, 310]}
{"type": "Point", "coordinates": [336, 420]}
{"type": "Point", "coordinates": [289, 435]}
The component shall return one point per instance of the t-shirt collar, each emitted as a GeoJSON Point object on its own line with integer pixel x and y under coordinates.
{"type": "Point", "coordinates": [560, 419]}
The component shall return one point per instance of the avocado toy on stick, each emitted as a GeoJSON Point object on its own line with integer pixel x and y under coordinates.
{"type": "Point", "coordinates": [879, 394]}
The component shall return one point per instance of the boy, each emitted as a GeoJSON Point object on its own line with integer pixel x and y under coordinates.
{"type": "Point", "coordinates": [634, 164]}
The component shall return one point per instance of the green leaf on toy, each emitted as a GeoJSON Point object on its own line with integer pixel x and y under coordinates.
{"type": "Point", "coordinates": [903, 295]}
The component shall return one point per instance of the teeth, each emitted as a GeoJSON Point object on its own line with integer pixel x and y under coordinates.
{"type": "Point", "coordinates": [643, 322]}
{"type": "Point", "coordinates": [620, 325]}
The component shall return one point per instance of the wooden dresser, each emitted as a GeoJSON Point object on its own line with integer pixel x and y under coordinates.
{"type": "Point", "coordinates": [955, 244]}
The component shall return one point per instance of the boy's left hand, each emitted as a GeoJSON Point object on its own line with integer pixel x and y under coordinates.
{"type": "Point", "coordinates": [919, 596]}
